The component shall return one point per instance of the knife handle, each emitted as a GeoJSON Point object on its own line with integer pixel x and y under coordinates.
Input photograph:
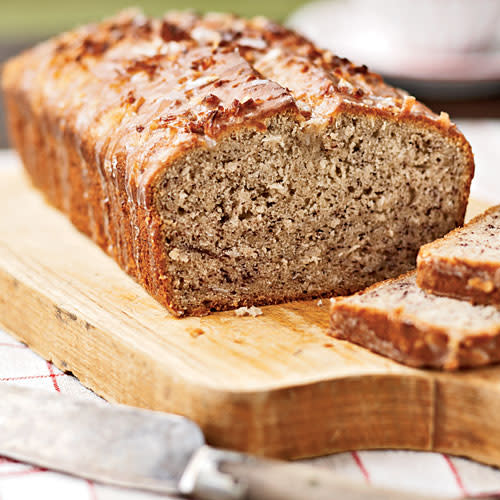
{"type": "Point", "coordinates": [224, 475]}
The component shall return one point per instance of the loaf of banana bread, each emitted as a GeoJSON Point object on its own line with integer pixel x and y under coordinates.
{"type": "Point", "coordinates": [225, 162]}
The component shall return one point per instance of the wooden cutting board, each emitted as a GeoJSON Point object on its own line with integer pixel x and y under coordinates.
{"type": "Point", "coordinates": [275, 384]}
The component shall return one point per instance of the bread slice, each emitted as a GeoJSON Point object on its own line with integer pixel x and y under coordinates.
{"type": "Point", "coordinates": [465, 263]}
{"type": "Point", "coordinates": [225, 162]}
{"type": "Point", "coordinates": [398, 319]}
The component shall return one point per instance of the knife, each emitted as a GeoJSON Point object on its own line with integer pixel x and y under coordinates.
{"type": "Point", "coordinates": [154, 451]}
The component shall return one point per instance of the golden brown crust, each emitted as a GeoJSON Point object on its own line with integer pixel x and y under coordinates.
{"type": "Point", "coordinates": [99, 113]}
{"type": "Point", "coordinates": [398, 340]}
{"type": "Point", "coordinates": [477, 281]}
{"type": "Point", "coordinates": [408, 340]}
{"type": "Point", "coordinates": [319, 80]}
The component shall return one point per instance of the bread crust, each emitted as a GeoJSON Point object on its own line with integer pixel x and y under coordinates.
{"type": "Point", "coordinates": [477, 281]}
{"type": "Point", "coordinates": [110, 197]}
{"type": "Point", "coordinates": [408, 339]}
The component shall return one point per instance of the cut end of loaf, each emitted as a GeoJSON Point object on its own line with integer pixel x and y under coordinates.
{"type": "Point", "coordinates": [296, 212]}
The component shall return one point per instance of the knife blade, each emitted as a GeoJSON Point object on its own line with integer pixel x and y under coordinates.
{"type": "Point", "coordinates": [154, 451]}
{"type": "Point", "coordinates": [113, 444]}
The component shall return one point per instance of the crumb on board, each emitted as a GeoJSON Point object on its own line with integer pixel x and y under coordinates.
{"type": "Point", "coordinates": [196, 332]}
{"type": "Point", "coordinates": [320, 303]}
{"type": "Point", "coordinates": [248, 311]}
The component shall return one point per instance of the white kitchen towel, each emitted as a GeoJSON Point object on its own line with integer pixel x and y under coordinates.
{"type": "Point", "coordinates": [431, 473]}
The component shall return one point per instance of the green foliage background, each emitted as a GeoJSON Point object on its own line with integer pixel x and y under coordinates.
{"type": "Point", "coordinates": [21, 19]}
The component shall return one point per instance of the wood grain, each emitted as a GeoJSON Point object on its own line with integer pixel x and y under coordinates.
{"type": "Point", "coordinates": [274, 385]}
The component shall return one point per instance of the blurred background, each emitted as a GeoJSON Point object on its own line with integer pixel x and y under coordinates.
{"type": "Point", "coordinates": [445, 52]}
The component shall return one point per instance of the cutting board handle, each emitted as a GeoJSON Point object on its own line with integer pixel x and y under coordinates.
{"type": "Point", "coordinates": [225, 475]}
